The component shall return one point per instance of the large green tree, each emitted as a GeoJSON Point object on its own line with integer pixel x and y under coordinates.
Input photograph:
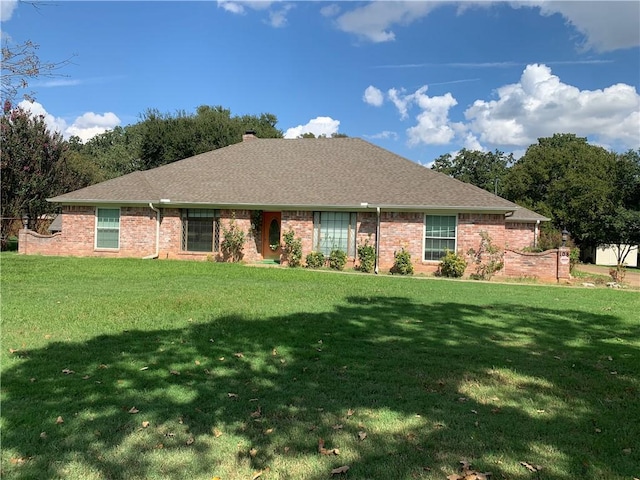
{"type": "Point", "coordinates": [166, 138]}
{"type": "Point", "coordinates": [33, 167]}
{"type": "Point", "coordinates": [581, 187]}
{"type": "Point", "coordinates": [486, 170]}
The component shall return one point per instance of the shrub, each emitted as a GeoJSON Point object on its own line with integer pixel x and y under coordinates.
{"type": "Point", "coordinates": [452, 265]}
{"type": "Point", "coordinates": [337, 259]}
{"type": "Point", "coordinates": [292, 249]}
{"type": "Point", "coordinates": [487, 259]}
{"type": "Point", "coordinates": [315, 260]}
{"type": "Point", "coordinates": [232, 244]}
{"type": "Point", "coordinates": [366, 257]}
{"type": "Point", "coordinates": [574, 258]}
{"type": "Point", "coordinates": [402, 264]}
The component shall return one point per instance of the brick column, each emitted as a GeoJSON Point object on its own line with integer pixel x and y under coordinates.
{"type": "Point", "coordinates": [564, 263]}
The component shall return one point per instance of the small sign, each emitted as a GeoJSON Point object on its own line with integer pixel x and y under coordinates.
{"type": "Point", "coordinates": [564, 257]}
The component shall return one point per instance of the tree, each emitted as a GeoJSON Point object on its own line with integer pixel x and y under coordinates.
{"type": "Point", "coordinates": [20, 64]}
{"type": "Point", "coordinates": [32, 166]}
{"type": "Point", "coordinates": [486, 170]}
{"type": "Point", "coordinates": [167, 138]}
{"type": "Point", "coordinates": [593, 193]}
{"type": "Point", "coordinates": [620, 228]}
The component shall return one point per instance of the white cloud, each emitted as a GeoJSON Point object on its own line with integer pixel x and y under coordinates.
{"type": "Point", "coordinates": [330, 10]}
{"type": "Point", "coordinates": [318, 126]}
{"type": "Point", "coordinates": [373, 21]}
{"type": "Point", "coordinates": [7, 7]}
{"type": "Point", "coordinates": [540, 105]}
{"type": "Point", "coordinates": [433, 127]}
{"type": "Point", "coordinates": [238, 6]}
{"type": "Point", "coordinates": [384, 135]}
{"type": "Point", "coordinates": [373, 96]}
{"type": "Point", "coordinates": [86, 126]}
{"type": "Point", "coordinates": [606, 26]}
{"type": "Point", "coordinates": [278, 18]}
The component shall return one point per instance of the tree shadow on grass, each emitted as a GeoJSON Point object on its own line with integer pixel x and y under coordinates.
{"type": "Point", "coordinates": [429, 384]}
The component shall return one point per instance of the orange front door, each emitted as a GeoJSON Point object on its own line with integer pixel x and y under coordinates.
{"type": "Point", "coordinates": [271, 249]}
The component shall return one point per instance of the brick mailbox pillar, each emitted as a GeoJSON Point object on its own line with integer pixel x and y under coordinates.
{"type": "Point", "coordinates": [564, 263]}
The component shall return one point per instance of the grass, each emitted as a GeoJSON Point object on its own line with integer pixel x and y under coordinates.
{"type": "Point", "coordinates": [241, 370]}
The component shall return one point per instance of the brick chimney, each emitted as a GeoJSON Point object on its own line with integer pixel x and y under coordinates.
{"type": "Point", "coordinates": [249, 135]}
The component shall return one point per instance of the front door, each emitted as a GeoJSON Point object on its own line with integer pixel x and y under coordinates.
{"type": "Point", "coordinates": [271, 249]}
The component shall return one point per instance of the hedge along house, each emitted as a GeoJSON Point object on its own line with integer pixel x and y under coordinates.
{"type": "Point", "coordinates": [333, 193]}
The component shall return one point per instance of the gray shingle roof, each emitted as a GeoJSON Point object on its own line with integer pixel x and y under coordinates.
{"type": "Point", "coordinates": [303, 173]}
{"type": "Point", "coordinates": [525, 215]}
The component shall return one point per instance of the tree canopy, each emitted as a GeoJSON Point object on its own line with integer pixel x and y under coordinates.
{"type": "Point", "coordinates": [33, 167]}
{"type": "Point", "coordinates": [486, 170]}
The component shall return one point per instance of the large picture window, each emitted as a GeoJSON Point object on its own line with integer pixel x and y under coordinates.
{"type": "Point", "coordinates": [200, 230]}
{"type": "Point", "coordinates": [440, 235]}
{"type": "Point", "coordinates": [108, 228]}
{"type": "Point", "coordinates": [334, 231]}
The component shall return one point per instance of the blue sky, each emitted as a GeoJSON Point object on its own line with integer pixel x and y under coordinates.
{"type": "Point", "coordinates": [418, 78]}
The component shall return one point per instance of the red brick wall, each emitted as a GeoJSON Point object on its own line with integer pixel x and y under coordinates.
{"type": "Point", "coordinates": [520, 235]}
{"type": "Point", "coordinates": [397, 230]}
{"type": "Point", "coordinates": [543, 266]}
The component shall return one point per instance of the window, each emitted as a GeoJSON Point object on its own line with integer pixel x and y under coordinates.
{"type": "Point", "coordinates": [200, 230]}
{"type": "Point", "coordinates": [440, 235]}
{"type": "Point", "coordinates": [108, 228]}
{"type": "Point", "coordinates": [334, 230]}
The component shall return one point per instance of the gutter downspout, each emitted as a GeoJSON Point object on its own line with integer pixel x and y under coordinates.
{"type": "Point", "coordinates": [535, 233]}
{"type": "Point", "coordinates": [157, 254]}
{"type": "Point", "coordinates": [377, 240]}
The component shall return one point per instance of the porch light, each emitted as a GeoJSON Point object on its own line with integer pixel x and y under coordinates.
{"type": "Point", "coordinates": [565, 237]}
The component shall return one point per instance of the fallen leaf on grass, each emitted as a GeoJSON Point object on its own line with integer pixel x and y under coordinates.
{"type": "Point", "coordinates": [259, 473]}
{"type": "Point", "coordinates": [232, 395]}
{"type": "Point", "coordinates": [144, 368]}
{"type": "Point", "coordinates": [350, 413]}
{"type": "Point", "coordinates": [217, 432]}
{"type": "Point", "coordinates": [362, 435]}
{"type": "Point", "coordinates": [268, 431]}
{"type": "Point", "coordinates": [253, 452]}
{"type": "Point", "coordinates": [466, 473]}
{"type": "Point", "coordinates": [530, 467]}
{"type": "Point", "coordinates": [174, 372]}
{"type": "Point", "coordinates": [337, 427]}
{"type": "Point", "coordinates": [43, 435]}
{"type": "Point", "coordinates": [257, 413]}
{"type": "Point", "coordinates": [133, 410]}
{"type": "Point", "coordinates": [325, 451]}
{"type": "Point", "coordinates": [59, 420]}
{"type": "Point", "coordinates": [145, 424]}
{"type": "Point", "coordinates": [238, 355]}
{"type": "Point", "coordinates": [339, 470]}
{"type": "Point", "coordinates": [190, 441]}
{"type": "Point", "coordinates": [66, 371]}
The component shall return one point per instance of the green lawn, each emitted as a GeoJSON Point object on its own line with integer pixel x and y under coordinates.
{"type": "Point", "coordinates": [187, 370]}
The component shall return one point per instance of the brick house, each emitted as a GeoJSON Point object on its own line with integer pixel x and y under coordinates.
{"type": "Point", "coordinates": [333, 193]}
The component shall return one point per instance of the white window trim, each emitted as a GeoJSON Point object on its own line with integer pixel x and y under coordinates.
{"type": "Point", "coordinates": [95, 229]}
{"type": "Point", "coordinates": [424, 233]}
{"type": "Point", "coordinates": [352, 234]}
